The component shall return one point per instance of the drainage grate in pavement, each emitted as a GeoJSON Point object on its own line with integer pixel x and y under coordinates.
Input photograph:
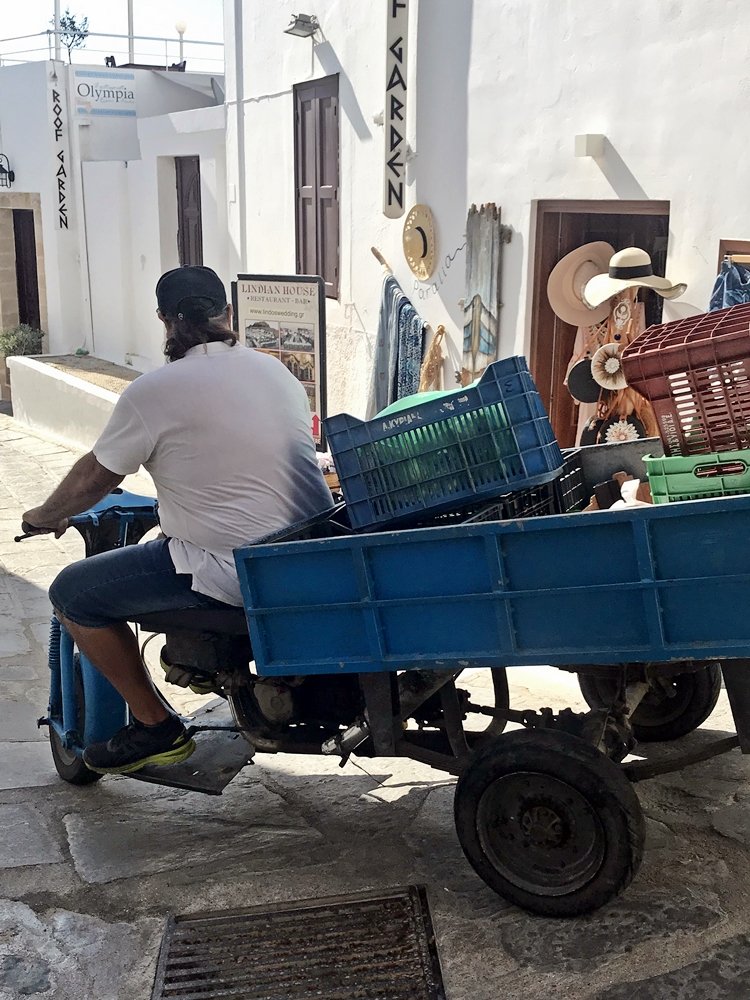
{"type": "Point", "coordinates": [360, 947]}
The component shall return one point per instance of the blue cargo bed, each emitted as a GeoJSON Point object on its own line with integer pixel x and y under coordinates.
{"type": "Point", "coordinates": [649, 584]}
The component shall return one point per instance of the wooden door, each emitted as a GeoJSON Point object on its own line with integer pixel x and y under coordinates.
{"type": "Point", "coordinates": [27, 279]}
{"type": "Point", "coordinates": [561, 227]}
{"type": "Point", "coordinates": [552, 347]}
{"type": "Point", "coordinates": [189, 223]}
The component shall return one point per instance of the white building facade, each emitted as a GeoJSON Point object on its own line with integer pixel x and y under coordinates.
{"type": "Point", "coordinates": [496, 93]}
{"type": "Point", "coordinates": [95, 153]}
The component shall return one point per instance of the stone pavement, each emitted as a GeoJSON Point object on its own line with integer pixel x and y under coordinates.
{"type": "Point", "coordinates": [88, 875]}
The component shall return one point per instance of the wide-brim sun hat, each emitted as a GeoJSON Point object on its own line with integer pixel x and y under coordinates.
{"type": "Point", "coordinates": [569, 277]}
{"type": "Point", "coordinates": [628, 268]}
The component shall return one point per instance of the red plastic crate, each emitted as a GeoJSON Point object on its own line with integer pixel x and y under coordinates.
{"type": "Point", "coordinates": [696, 373]}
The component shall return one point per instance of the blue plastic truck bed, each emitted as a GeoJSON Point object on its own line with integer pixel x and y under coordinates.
{"type": "Point", "coordinates": [652, 583]}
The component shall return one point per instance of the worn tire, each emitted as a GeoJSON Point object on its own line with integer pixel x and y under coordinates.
{"type": "Point", "coordinates": [660, 718]}
{"type": "Point", "coordinates": [573, 833]}
{"type": "Point", "coordinates": [68, 764]}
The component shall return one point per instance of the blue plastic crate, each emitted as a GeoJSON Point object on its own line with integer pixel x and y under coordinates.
{"type": "Point", "coordinates": [647, 584]}
{"type": "Point", "coordinates": [445, 454]}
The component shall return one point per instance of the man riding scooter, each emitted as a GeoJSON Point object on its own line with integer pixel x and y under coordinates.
{"type": "Point", "coordinates": [224, 432]}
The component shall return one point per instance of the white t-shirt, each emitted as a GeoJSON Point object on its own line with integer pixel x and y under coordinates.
{"type": "Point", "coordinates": [225, 434]}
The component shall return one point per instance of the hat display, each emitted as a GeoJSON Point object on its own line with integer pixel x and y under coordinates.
{"type": "Point", "coordinates": [193, 285]}
{"type": "Point", "coordinates": [581, 383]}
{"type": "Point", "coordinates": [568, 279]}
{"type": "Point", "coordinates": [606, 368]}
{"type": "Point", "coordinates": [419, 241]}
{"type": "Point", "coordinates": [628, 268]}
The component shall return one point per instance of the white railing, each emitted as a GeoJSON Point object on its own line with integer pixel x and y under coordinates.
{"type": "Point", "coordinates": [147, 50]}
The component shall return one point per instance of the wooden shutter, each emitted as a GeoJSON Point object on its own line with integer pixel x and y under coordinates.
{"type": "Point", "coordinates": [317, 180]}
{"type": "Point", "coordinates": [189, 221]}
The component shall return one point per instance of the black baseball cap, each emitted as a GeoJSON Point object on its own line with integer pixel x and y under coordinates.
{"type": "Point", "coordinates": [191, 286]}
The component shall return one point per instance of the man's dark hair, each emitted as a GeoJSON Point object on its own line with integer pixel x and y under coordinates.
{"type": "Point", "coordinates": [195, 325]}
{"type": "Point", "coordinates": [193, 302]}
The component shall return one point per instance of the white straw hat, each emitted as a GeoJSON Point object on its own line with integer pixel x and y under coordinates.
{"type": "Point", "coordinates": [569, 276]}
{"type": "Point", "coordinates": [628, 268]}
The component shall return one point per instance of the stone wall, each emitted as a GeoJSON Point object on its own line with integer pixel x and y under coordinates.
{"type": "Point", "coordinates": [8, 291]}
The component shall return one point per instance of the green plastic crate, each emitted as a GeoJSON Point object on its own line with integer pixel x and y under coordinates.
{"type": "Point", "coordinates": [697, 477]}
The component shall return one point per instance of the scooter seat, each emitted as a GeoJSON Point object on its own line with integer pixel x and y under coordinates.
{"type": "Point", "coordinates": [221, 621]}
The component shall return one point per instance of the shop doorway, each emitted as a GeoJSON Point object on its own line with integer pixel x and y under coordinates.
{"type": "Point", "coordinates": [27, 277]}
{"type": "Point", "coordinates": [189, 220]}
{"type": "Point", "coordinates": [561, 227]}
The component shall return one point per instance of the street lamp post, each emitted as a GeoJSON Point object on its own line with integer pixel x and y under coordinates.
{"type": "Point", "coordinates": [180, 28]}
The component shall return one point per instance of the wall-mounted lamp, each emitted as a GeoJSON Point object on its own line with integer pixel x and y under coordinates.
{"type": "Point", "coordinates": [591, 144]}
{"type": "Point", "coordinates": [302, 25]}
{"type": "Point", "coordinates": [6, 174]}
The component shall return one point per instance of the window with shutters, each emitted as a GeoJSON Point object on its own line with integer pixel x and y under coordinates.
{"type": "Point", "coordinates": [316, 168]}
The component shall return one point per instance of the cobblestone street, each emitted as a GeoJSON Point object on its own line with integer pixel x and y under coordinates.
{"type": "Point", "coordinates": [87, 875]}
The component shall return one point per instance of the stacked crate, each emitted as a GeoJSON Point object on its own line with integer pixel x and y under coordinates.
{"type": "Point", "coordinates": [696, 374]}
{"type": "Point", "coordinates": [446, 456]}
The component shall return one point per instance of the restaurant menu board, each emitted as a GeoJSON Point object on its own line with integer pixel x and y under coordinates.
{"type": "Point", "coordinates": [285, 316]}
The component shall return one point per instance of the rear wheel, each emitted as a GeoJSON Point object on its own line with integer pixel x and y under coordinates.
{"type": "Point", "coordinates": [67, 762]}
{"type": "Point", "coordinates": [549, 823]}
{"type": "Point", "coordinates": [670, 710]}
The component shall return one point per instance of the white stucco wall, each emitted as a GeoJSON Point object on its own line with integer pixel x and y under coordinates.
{"type": "Point", "coordinates": [131, 213]}
{"type": "Point", "coordinates": [498, 90]}
{"type": "Point", "coordinates": [28, 139]}
{"type": "Point", "coordinates": [101, 270]}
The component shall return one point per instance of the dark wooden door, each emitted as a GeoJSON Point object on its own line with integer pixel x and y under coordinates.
{"type": "Point", "coordinates": [561, 227]}
{"type": "Point", "coordinates": [27, 279]}
{"type": "Point", "coordinates": [552, 347]}
{"type": "Point", "coordinates": [189, 224]}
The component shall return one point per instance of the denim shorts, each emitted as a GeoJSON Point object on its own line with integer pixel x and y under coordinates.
{"type": "Point", "coordinates": [120, 585]}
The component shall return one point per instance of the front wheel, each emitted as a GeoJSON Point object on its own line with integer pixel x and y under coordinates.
{"type": "Point", "coordinates": [669, 711]}
{"type": "Point", "coordinates": [68, 764]}
{"type": "Point", "coordinates": [549, 822]}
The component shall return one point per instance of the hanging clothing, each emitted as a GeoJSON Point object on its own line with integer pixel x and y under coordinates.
{"type": "Point", "coordinates": [398, 349]}
{"type": "Point", "coordinates": [732, 286]}
{"type": "Point", "coordinates": [410, 344]}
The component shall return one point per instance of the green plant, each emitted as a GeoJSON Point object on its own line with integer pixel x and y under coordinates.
{"type": "Point", "coordinates": [21, 339]}
{"type": "Point", "coordinates": [73, 32]}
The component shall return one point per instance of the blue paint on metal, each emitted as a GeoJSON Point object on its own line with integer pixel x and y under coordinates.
{"type": "Point", "coordinates": [106, 711]}
{"type": "Point", "coordinates": [68, 685]}
{"type": "Point", "coordinates": [655, 583]}
{"type": "Point", "coordinates": [129, 502]}
{"type": "Point", "coordinates": [103, 75]}
{"type": "Point", "coordinates": [54, 710]}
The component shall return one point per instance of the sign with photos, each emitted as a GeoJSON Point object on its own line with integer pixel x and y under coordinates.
{"type": "Point", "coordinates": [285, 316]}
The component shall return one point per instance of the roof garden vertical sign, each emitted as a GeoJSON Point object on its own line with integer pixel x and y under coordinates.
{"type": "Point", "coordinates": [394, 118]}
{"type": "Point", "coordinates": [60, 163]}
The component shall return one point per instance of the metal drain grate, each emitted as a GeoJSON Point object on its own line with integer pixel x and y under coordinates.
{"type": "Point", "coordinates": [361, 947]}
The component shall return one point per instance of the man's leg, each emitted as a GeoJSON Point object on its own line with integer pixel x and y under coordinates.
{"type": "Point", "coordinates": [94, 599]}
{"type": "Point", "coordinates": [114, 652]}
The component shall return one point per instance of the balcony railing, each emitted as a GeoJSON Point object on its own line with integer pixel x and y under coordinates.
{"type": "Point", "coordinates": [148, 51]}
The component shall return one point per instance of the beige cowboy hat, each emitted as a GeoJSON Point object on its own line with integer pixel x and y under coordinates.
{"type": "Point", "coordinates": [628, 268]}
{"type": "Point", "coordinates": [419, 241]}
{"type": "Point", "coordinates": [568, 278]}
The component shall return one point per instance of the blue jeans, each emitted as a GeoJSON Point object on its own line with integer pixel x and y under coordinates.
{"type": "Point", "coordinates": [120, 585]}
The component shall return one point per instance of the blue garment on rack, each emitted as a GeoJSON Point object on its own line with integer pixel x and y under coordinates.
{"type": "Point", "coordinates": [732, 286]}
{"type": "Point", "coordinates": [398, 349]}
{"type": "Point", "coordinates": [410, 343]}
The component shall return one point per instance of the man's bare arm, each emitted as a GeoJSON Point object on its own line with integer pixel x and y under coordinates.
{"type": "Point", "coordinates": [85, 484]}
